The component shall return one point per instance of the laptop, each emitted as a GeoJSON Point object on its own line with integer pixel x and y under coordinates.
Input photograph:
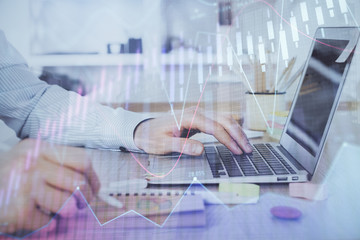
{"type": "Point", "coordinates": [296, 156]}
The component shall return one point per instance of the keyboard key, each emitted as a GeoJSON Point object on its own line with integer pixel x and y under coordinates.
{"type": "Point", "coordinates": [245, 165]}
{"type": "Point", "coordinates": [214, 161]}
{"type": "Point", "coordinates": [210, 150]}
{"type": "Point", "coordinates": [270, 158]}
{"type": "Point", "coordinates": [217, 167]}
{"type": "Point", "coordinates": [234, 173]}
{"type": "Point", "coordinates": [229, 163]}
{"type": "Point", "coordinates": [264, 160]}
{"type": "Point", "coordinates": [289, 168]}
{"type": "Point", "coordinates": [251, 173]}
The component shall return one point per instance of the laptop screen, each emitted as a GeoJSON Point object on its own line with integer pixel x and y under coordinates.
{"type": "Point", "coordinates": [317, 94]}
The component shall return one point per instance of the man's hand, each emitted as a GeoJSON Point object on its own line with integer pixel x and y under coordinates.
{"type": "Point", "coordinates": [36, 187]}
{"type": "Point", "coordinates": [162, 136]}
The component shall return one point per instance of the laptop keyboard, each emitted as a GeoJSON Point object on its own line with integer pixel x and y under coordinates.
{"type": "Point", "coordinates": [264, 160]}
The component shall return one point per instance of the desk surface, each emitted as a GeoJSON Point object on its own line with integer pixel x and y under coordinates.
{"type": "Point", "coordinates": [334, 218]}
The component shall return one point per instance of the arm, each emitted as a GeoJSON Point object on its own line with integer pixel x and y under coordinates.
{"type": "Point", "coordinates": [32, 108]}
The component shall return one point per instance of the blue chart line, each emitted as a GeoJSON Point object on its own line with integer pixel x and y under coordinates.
{"type": "Point", "coordinates": [128, 212]}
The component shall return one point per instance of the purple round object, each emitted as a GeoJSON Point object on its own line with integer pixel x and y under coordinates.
{"type": "Point", "coordinates": [285, 212]}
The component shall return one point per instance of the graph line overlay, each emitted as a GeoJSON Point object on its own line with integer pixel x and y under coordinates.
{"type": "Point", "coordinates": [239, 62]}
{"type": "Point", "coordinates": [194, 182]}
{"type": "Point", "coordinates": [271, 128]}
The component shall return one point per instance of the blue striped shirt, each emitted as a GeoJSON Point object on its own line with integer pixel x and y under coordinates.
{"type": "Point", "coordinates": [33, 108]}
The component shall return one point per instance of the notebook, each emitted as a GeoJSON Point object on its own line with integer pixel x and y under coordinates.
{"type": "Point", "coordinates": [160, 208]}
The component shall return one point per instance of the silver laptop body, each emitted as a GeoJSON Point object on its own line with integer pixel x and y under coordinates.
{"type": "Point", "coordinates": [296, 157]}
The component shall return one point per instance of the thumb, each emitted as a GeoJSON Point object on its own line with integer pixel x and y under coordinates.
{"type": "Point", "coordinates": [186, 146]}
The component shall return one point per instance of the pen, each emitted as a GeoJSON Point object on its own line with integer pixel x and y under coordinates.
{"type": "Point", "coordinates": [285, 74]}
{"type": "Point", "coordinates": [293, 78]}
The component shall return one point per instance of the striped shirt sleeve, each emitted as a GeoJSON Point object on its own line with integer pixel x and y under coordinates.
{"type": "Point", "coordinates": [33, 108]}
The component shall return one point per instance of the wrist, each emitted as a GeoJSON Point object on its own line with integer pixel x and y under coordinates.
{"type": "Point", "coordinates": [138, 134]}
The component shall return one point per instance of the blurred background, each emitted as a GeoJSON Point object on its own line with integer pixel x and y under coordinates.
{"type": "Point", "coordinates": [156, 55]}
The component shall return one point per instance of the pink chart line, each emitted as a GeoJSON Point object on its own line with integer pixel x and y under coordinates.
{"type": "Point", "coordinates": [187, 137]}
{"type": "Point", "coordinates": [197, 106]}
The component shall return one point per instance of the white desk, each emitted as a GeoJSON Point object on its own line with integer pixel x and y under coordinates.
{"type": "Point", "coordinates": [334, 218]}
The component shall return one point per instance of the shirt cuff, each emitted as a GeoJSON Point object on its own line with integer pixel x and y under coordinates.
{"type": "Point", "coordinates": [121, 135]}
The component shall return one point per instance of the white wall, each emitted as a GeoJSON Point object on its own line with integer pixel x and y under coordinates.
{"type": "Point", "coordinates": [59, 22]}
{"type": "Point", "coordinates": [14, 21]}
{"type": "Point", "coordinates": [175, 18]}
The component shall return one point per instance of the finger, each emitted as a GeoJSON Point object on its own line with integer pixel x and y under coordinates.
{"type": "Point", "coordinates": [23, 217]}
{"type": "Point", "coordinates": [185, 146]}
{"type": "Point", "coordinates": [52, 200]}
{"type": "Point", "coordinates": [67, 179]}
{"type": "Point", "coordinates": [61, 177]}
{"type": "Point", "coordinates": [78, 162]}
{"type": "Point", "coordinates": [93, 180]}
{"type": "Point", "coordinates": [38, 219]}
{"type": "Point", "coordinates": [236, 132]}
{"type": "Point", "coordinates": [210, 126]}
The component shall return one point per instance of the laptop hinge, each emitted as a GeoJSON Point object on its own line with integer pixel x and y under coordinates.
{"type": "Point", "coordinates": [291, 159]}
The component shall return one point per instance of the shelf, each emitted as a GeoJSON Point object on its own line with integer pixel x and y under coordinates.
{"type": "Point", "coordinates": [86, 60]}
{"type": "Point", "coordinates": [115, 60]}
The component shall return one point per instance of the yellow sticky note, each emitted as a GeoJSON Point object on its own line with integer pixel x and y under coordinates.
{"type": "Point", "coordinates": [242, 189]}
{"type": "Point", "coordinates": [282, 113]}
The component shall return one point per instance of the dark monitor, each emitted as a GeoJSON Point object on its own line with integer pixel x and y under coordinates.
{"type": "Point", "coordinates": [318, 94]}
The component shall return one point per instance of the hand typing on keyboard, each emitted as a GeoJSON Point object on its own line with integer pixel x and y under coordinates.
{"type": "Point", "coordinates": [162, 135]}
